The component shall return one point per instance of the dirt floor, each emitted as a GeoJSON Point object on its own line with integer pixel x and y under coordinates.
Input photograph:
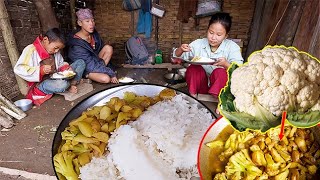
{"type": "Point", "coordinates": [27, 146]}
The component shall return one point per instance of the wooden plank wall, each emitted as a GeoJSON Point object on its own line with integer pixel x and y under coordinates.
{"type": "Point", "coordinates": [307, 37]}
{"type": "Point", "coordinates": [286, 22]}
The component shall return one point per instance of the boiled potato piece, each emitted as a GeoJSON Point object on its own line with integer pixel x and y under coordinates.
{"type": "Point", "coordinates": [122, 116]}
{"type": "Point", "coordinates": [126, 108]}
{"type": "Point", "coordinates": [81, 118]}
{"type": "Point", "coordinates": [112, 116]}
{"type": "Point", "coordinates": [146, 102]}
{"type": "Point", "coordinates": [102, 147]}
{"type": "Point", "coordinates": [136, 112]}
{"type": "Point", "coordinates": [118, 105]}
{"type": "Point", "coordinates": [84, 158]}
{"type": "Point", "coordinates": [83, 139]}
{"type": "Point", "coordinates": [113, 101]}
{"type": "Point", "coordinates": [95, 124]}
{"type": "Point", "coordinates": [94, 111]}
{"type": "Point", "coordinates": [96, 150]}
{"type": "Point", "coordinates": [101, 136]}
{"type": "Point", "coordinates": [85, 128]}
{"type": "Point", "coordinates": [112, 126]}
{"type": "Point", "coordinates": [89, 119]}
{"type": "Point", "coordinates": [129, 96]}
{"type": "Point", "coordinates": [105, 112]}
{"type": "Point", "coordinates": [96, 143]}
{"type": "Point", "coordinates": [105, 128]}
{"type": "Point", "coordinates": [167, 94]}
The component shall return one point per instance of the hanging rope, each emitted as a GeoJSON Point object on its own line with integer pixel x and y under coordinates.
{"type": "Point", "coordinates": [277, 23]}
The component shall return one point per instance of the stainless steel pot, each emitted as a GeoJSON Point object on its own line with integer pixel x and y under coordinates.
{"type": "Point", "coordinates": [173, 78]}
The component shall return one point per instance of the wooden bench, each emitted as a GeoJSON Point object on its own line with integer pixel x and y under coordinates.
{"type": "Point", "coordinates": [207, 97]}
{"type": "Point", "coordinates": [168, 66]}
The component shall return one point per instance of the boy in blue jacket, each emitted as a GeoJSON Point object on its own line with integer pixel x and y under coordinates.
{"type": "Point", "coordinates": [87, 45]}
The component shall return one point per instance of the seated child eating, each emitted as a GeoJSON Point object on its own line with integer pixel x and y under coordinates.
{"type": "Point", "coordinates": [40, 60]}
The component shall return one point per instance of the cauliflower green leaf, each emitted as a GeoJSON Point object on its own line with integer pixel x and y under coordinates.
{"type": "Point", "coordinates": [307, 119]}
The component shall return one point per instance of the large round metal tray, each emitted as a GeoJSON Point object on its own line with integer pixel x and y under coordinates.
{"type": "Point", "coordinates": [103, 96]}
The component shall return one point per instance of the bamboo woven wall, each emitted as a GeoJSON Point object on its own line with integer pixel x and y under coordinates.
{"type": "Point", "coordinates": [8, 83]}
{"type": "Point", "coordinates": [25, 25]}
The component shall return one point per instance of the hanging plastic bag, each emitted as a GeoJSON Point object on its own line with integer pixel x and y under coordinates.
{"type": "Point", "coordinates": [208, 7]}
{"type": "Point", "coordinates": [131, 5]}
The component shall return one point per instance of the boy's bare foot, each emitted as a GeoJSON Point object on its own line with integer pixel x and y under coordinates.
{"type": "Point", "coordinates": [73, 82]}
{"type": "Point", "coordinates": [73, 89]}
{"type": "Point", "coordinates": [85, 80]}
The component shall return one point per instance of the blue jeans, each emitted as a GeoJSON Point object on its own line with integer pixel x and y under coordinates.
{"type": "Point", "coordinates": [51, 86]}
{"type": "Point", "coordinates": [78, 67]}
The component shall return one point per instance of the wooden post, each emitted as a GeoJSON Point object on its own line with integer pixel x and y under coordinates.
{"type": "Point", "coordinates": [180, 32]}
{"type": "Point", "coordinates": [290, 24]}
{"type": "Point", "coordinates": [314, 47]}
{"type": "Point", "coordinates": [46, 15]}
{"type": "Point", "coordinates": [73, 14]}
{"type": "Point", "coordinates": [308, 34]}
{"type": "Point", "coordinates": [157, 27]}
{"type": "Point", "coordinates": [132, 24]}
{"type": "Point", "coordinates": [10, 44]}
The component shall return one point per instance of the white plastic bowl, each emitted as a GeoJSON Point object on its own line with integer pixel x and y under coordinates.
{"type": "Point", "coordinates": [24, 104]}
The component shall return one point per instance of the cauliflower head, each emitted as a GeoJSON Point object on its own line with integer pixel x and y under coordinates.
{"type": "Point", "coordinates": [280, 78]}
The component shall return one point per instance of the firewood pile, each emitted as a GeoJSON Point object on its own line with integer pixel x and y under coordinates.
{"type": "Point", "coordinates": [9, 112]}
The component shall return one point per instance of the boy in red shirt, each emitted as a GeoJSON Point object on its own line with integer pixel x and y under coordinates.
{"type": "Point", "coordinates": [40, 60]}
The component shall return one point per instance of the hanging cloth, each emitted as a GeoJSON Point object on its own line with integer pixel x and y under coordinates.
{"type": "Point", "coordinates": [186, 10]}
{"type": "Point", "coordinates": [144, 24]}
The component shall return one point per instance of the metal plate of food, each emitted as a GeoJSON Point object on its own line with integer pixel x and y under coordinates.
{"type": "Point", "coordinates": [228, 154]}
{"type": "Point", "coordinates": [165, 118]}
{"type": "Point", "coordinates": [65, 75]}
{"type": "Point", "coordinates": [198, 60]}
{"type": "Point", "coordinates": [126, 80]}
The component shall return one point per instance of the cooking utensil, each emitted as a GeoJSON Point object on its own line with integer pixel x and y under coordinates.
{"type": "Point", "coordinates": [24, 104]}
{"type": "Point", "coordinates": [173, 78]}
{"type": "Point", "coordinates": [182, 72]}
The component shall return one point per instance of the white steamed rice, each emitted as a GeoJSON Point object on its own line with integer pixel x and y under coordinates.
{"type": "Point", "coordinates": [161, 144]}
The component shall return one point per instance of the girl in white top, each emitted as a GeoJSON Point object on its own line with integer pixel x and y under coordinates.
{"type": "Point", "coordinates": [216, 46]}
